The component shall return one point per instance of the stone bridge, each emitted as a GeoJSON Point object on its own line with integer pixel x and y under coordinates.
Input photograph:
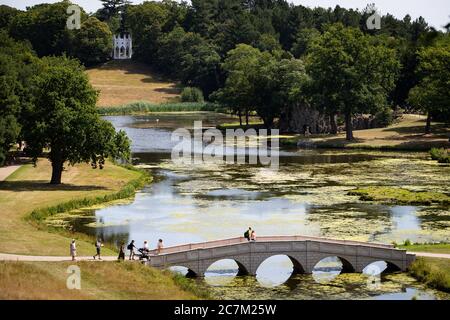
{"type": "Point", "coordinates": [304, 252]}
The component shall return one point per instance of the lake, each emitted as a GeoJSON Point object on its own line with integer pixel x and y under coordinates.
{"type": "Point", "coordinates": [307, 195]}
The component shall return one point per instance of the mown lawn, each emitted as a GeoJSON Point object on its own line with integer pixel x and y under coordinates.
{"type": "Point", "coordinates": [28, 189]}
{"type": "Point", "coordinates": [407, 134]}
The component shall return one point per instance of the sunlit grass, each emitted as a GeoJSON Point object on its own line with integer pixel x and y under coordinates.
{"type": "Point", "coordinates": [99, 280]}
{"type": "Point", "coordinates": [433, 272]}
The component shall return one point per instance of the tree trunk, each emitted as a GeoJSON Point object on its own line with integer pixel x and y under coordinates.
{"type": "Point", "coordinates": [240, 118]}
{"type": "Point", "coordinates": [333, 124]}
{"type": "Point", "coordinates": [268, 122]}
{"type": "Point", "coordinates": [57, 169]}
{"type": "Point", "coordinates": [428, 126]}
{"type": "Point", "coordinates": [246, 117]}
{"type": "Point", "coordinates": [348, 126]}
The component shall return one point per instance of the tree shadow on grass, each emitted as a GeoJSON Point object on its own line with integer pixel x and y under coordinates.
{"type": "Point", "coordinates": [44, 185]}
{"type": "Point", "coordinates": [439, 129]}
{"type": "Point", "coordinates": [169, 90]}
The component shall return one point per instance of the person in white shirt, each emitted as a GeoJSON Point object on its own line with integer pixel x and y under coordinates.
{"type": "Point", "coordinates": [98, 247]}
{"type": "Point", "coordinates": [73, 250]}
{"type": "Point", "coordinates": [159, 246]}
{"type": "Point", "coordinates": [146, 249]}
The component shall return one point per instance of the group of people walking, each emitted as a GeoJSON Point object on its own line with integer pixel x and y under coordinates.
{"type": "Point", "coordinates": [131, 248]}
{"type": "Point", "coordinates": [145, 249]}
{"type": "Point", "coordinates": [249, 234]}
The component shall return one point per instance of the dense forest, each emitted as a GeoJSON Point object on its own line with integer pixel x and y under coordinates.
{"type": "Point", "coordinates": [254, 56]}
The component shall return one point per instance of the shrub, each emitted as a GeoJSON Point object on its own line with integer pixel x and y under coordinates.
{"type": "Point", "coordinates": [190, 94]}
{"type": "Point", "coordinates": [440, 155]}
{"type": "Point", "coordinates": [384, 117]}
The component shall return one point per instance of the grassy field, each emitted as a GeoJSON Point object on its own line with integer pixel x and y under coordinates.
{"type": "Point", "coordinates": [99, 280]}
{"type": "Point", "coordinates": [28, 189]}
{"type": "Point", "coordinates": [435, 273]}
{"type": "Point", "coordinates": [408, 134]}
{"type": "Point", "coordinates": [254, 124]}
{"type": "Point", "coordinates": [400, 196]}
{"type": "Point", "coordinates": [123, 82]}
{"type": "Point", "coordinates": [431, 248]}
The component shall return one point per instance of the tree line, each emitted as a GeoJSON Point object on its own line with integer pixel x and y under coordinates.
{"type": "Point", "coordinates": [254, 56]}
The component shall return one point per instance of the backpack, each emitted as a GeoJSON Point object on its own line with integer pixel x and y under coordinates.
{"type": "Point", "coordinates": [130, 247]}
{"type": "Point", "coordinates": [246, 234]}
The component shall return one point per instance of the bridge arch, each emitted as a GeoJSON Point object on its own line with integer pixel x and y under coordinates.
{"type": "Point", "coordinates": [348, 266]}
{"type": "Point", "coordinates": [391, 267]}
{"type": "Point", "coordinates": [297, 267]}
{"type": "Point", "coordinates": [242, 269]}
{"type": "Point", "coordinates": [184, 270]}
{"type": "Point", "coordinates": [281, 273]}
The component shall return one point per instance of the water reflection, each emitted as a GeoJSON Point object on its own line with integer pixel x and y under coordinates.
{"type": "Point", "coordinates": [405, 219]}
{"type": "Point", "coordinates": [306, 287]}
{"type": "Point", "coordinates": [275, 271]}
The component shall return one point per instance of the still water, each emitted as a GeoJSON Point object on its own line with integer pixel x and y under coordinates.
{"type": "Point", "coordinates": [306, 196]}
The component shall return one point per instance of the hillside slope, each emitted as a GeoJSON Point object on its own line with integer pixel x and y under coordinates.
{"type": "Point", "coordinates": [123, 82]}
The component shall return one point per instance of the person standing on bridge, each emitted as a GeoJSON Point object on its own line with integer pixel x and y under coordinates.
{"type": "Point", "coordinates": [73, 250]}
{"type": "Point", "coordinates": [159, 246]}
{"type": "Point", "coordinates": [253, 236]}
{"type": "Point", "coordinates": [248, 234]}
{"type": "Point", "coordinates": [146, 249]}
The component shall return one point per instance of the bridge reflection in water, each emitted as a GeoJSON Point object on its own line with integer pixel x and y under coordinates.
{"type": "Point", "coordinates": [304, 252]}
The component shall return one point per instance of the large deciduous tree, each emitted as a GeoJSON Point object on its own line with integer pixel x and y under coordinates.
{"type": "Point", "coordinates": [92, 43]}
{"type": "Point", "coordinates": [190, 58]}
{"type": "Point", "coordinates": [242, 67]}
{"type": "Point", "coordinates": [64, 119]}
{"type": "Point", "coordinates": [279, 85]}
{"type": "Point", "coordinates": [16, 69]}
{"type": "Point", "coordinates": [44, 25]}
{"type": "Point", "coordinates": [146, 22]}
{"type": "Point", "coordinates": [432, 94]}
{"type": "Point", "coordinates": [351, 72]}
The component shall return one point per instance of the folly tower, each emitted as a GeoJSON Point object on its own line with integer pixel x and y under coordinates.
{"type": "Point", "coordinates": [122, 46]}
{"type": "Point", "coordinates": [122, 43]}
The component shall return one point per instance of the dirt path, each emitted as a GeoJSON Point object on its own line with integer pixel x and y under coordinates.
{"type": "Point", "coordinates": [16, 257]}
{"type": "Point", "coordinates": [431, 255]}
{"type": "Point", "coordinates": [5, 172]}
